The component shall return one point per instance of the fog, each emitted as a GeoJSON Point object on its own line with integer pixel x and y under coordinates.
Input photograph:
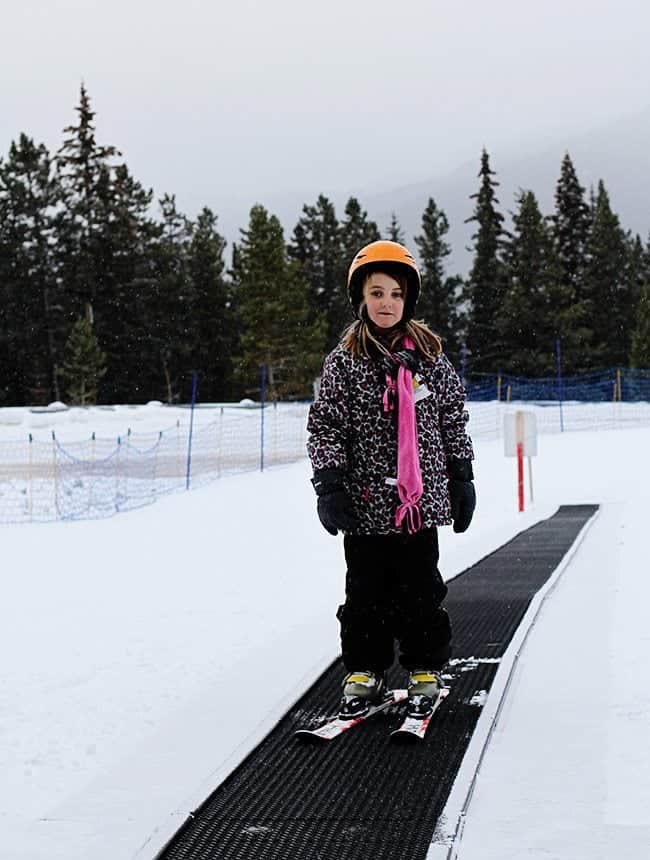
{"type": "Point", "coordinates": [229, 103]}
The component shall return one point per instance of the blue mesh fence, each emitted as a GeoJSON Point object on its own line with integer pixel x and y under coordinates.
{"type": "Point", "coordinates": [42, 480]}
{"type": "Point", "coordinates": [615, 384]}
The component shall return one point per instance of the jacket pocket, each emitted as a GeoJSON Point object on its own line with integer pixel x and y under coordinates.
{"type": "Point", "coordinates": [375, 502]}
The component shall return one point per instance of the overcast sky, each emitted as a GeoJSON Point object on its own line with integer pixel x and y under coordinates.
{"type": "Point", "coordinates": [215, 100]}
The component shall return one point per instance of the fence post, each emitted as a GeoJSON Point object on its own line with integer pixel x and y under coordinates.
{"type": "Point", "coordinates": [155, 464]}
{"type": "Point", "coordinates": [276, 420]}
{"type": "Point", "coordinates": [262, 399]}
{"type": "Point", "coordinates": [617, 396]}
{"type": "Point", "coordinates": [30, 504]}
{"type": "Point", "coordinates": [558, 352]}
{"type": "Point", "coordinates": [56, 489]}
{"type": "Point", "coordinates": [92, 470]}
{"type": "Point", "coordinates": [117, 474]}
{"type": "Point", "coordinates": [189, 439]}
{"type": "Point", "coordinates": [126, 464]}
{"type": "Point", "coordinates": [219, 441]}
{"type": "Point", "coordinates": [178, 448]}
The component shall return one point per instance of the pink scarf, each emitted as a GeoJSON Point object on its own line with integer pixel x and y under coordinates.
{"type": "Point", "coordinates": [409, 476]}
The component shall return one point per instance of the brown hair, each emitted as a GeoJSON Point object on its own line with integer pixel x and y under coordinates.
{"type": "Point", "coordinates": [360, 340]}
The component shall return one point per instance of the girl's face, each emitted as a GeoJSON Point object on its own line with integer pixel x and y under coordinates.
{"type": "Point", "coordinates": [384, 299]}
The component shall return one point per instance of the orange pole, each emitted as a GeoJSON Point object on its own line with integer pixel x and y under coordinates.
{"type": "Point", "coordinates": [520, 475]}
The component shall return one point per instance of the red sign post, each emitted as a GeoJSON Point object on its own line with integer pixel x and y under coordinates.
{"type": "Point", "coordinates": [519, 430]}
{"type": "Point", "coordinates": [520, 475]}
{"type": "Point", "coordinates": [520, 437]}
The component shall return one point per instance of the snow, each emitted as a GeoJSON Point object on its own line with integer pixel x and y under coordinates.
{"type": "Point", "coordinates": [566, 772]}
{"type": "Point", "coordinates": [125, 638]}
{"type": "Point", "coordinates": [587, 749]}
{"type": "Point", "coordinates": [479, 698]}
{"type": "Point", "coordinates": [78, 423]}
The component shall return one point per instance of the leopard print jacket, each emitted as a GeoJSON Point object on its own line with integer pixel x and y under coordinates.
{"type": "Point", "coordinates": [348, 430]}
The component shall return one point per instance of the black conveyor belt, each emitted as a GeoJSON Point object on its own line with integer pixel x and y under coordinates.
{"type": "Point", "coordinates": [362, 796]}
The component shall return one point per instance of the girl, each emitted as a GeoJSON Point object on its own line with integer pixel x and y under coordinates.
{"type": "Point", "coordinates": [392, 461]}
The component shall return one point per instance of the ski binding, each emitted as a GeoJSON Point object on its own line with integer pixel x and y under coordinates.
{"type": "Point", "coordinates": [332, 729]}
{"type": "Point", "coordinates": [415, 728]}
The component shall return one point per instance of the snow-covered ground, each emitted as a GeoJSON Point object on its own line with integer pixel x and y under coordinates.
{"type": "Point", "coordinates": [567, 770]}
{"type": "Point", "coordinates": [92, 462]}
{"type": "Point", "coordinates": [88, 463]}
{"type": "Point", "coordinates": [123, 640]}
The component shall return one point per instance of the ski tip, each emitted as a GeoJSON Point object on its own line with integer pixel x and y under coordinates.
{"type": "Point", "coordinates": [399, 736]}
{"type": "Point", "coordinates": [310, 737]}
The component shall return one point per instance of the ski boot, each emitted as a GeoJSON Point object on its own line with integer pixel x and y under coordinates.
{"type": "Point", "coordinates": [423, 690]}
{"type": "Point", "coordinates": [361, 690]}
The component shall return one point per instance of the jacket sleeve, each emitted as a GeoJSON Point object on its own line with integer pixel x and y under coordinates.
{"type": "Point", "coordinates": [453, 415]}
{"type": "Point", "coordinates": [328, 420]}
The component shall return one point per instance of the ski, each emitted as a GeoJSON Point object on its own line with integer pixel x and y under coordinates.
{"type": "Point", "coordinates": [332, 729]}
{"type": "Point", "coordinates": [415, 728]}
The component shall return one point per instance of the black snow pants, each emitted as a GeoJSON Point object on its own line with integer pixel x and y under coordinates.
{"type": "Point", "coordinates": [393, 590]}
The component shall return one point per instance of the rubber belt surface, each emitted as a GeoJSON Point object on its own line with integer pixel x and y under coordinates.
{"type": "Point", "coordinates": [362, 796]}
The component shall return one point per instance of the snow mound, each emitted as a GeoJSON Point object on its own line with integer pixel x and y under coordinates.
{"type": "Point", "coordinates": [479, 698]}
{"type": "Point", "coordinates": [11, 416]}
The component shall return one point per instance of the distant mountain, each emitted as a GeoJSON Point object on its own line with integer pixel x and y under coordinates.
{"type": "Point", "coordinates": [618, 153]}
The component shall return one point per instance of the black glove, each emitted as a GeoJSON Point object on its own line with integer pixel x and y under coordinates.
{"type": "Point", "coordinates": [335, 509]}
{"type": "Point", "coordinates": [407, 358]}
{"type": "Point", "coordinates": [461, 492]}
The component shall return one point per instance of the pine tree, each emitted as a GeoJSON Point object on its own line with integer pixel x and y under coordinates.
{"type": "Point", "coordinates": [438, 304]}
{"type": "Point", "coordinates": [605, 286]}
{"type": "Point", "coordinates": [213, 329]}
{"type": "Point", "coordinates": [485, 286]}
{"type": "Point", "coordinates": [273, 313]}
{"type": "Point", "coordinates": [30, 322]}
{"type": "Point", "coordinates": [395, 232]}
{"type": "Point", "coordinates": [571, 225]}
{"type": "Point", "coordinates": [316, 248]}
{"type": "Point", "coordinates": [637, 275]}
{"type": "Point", "coordinates": [85, 363]}
{"type": "Point", "coordinates": [121, 314]}
{"type": "Point", "coordinates": [84, 172]}
{"type": "Point", "coordinates": [527, 322]}
{"type": "Point", "coordinates": [640, 350]}
{"type": "Point", "coordinates": [638, 265]}
{"type": "Point", "coordinates": [170, 302]}
{"type": "Point", "coordinates": [356, 231]}
{"type": "Point", "coordinates": [104, 249]}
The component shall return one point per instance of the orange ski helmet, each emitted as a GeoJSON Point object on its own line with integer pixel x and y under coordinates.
{"type": "Point", "coordinates": [391, 257]}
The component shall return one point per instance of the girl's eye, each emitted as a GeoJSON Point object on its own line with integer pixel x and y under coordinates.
{"type": "Point", "coordinates": [377, 294]}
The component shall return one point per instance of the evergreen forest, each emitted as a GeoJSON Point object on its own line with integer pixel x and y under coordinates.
{"type": "Point", "coordinates": [109, 295]}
